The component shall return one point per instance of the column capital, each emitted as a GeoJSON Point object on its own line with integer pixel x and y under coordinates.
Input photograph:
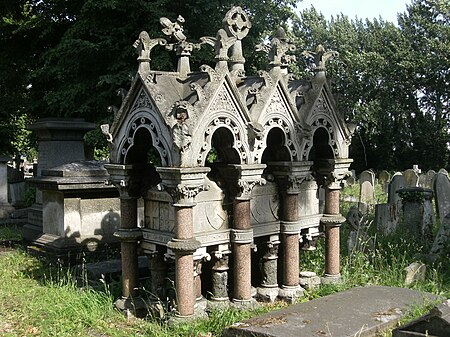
{"type": "Point", "coordinates": [332, 171]}
{"type": "Point", "coordinates": [290, 175]}
{"type": "Point", "coordinates": [128, 179]}
{"type": "Point", "coordinates": [248, 176]}
{"type": "Point", "coordinates": [183, 183]}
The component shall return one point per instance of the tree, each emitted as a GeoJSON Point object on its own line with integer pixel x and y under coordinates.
{"type": "Point", "coordinates": [68, 58]}
{"type": "Point", "coordinates": [381, 77]}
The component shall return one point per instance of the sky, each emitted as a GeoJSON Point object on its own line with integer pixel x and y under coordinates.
{"type": "Point", "coordinates": [363, 9]}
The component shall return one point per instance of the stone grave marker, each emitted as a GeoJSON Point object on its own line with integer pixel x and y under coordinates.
{"type": "Point", "coordinates": [411, 178]}
{"type": "Point", "coordinates": [367, 183]}
{"type": "Point", "coordinates": [442, 194]}
{"type": "Point", "coordinates": [397, 182]}
{"type": "Point", "coordinates": [383, 178]}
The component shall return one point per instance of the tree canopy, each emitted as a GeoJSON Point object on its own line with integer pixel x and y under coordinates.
{"type": "Point", "coordinates": [61, 58]}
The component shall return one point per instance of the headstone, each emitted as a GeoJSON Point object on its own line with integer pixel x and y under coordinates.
{"type": "Point", "coordinates": [428, 180]}
{"type": "Point", "coordinates": [5, 207]}
{"type": "Point", "coordinates": [384, 177]}
{"type": "Point", "coordinates": [358, 239]}
{"type": "Point", "coordinates": [397, 182]}
{"type": "Point", "coordinates": [350, 181]}
{"type": "Point", "coordinates": [442, 239]}
{"type": "Point", "coordinates": [386, 218]}
{"type": "Point", "coordinates": [442, 194]}
{"type": "Point", "coordinates": [415, 272]}
{"type": "Point", "coordinates": [367, 184]}
{"type": "Point", "coordinates": [411, 178]}
{"type": "Point", "coordinates": [443, 171]}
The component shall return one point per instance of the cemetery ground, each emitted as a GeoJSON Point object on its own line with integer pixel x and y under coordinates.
{"type": "Point", "coordinates": [38, 298]}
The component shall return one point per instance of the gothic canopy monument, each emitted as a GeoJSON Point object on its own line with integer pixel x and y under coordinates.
{"type": "Point", "coordinates": [229, 167]}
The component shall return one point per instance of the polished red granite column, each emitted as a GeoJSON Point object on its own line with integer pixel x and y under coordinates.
{"type": "Point", "coordinates": [128, 180]}
{"type": "Point", "coordinates": [242, 252]}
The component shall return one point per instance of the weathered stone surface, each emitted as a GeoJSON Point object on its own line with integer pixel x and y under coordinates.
{"type": "Point", "coordinates": [411, 178]}
{"type": "Point", "coordinates": [386, 218]}
{"type": "Point", "coordinates": [397, 182]}
{"type": "Point", "coordinates": [442, 194]}
{"type": "Point", "coordinates": [360, 311]}
{"type": "Point", "coordinates": [415, 272]}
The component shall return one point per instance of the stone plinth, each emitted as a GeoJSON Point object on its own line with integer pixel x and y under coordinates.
{"type": "Point", "coordinates": [79, 211]}
{"type": "Point", "coordinates": [418, 213]}
{"type": "Point", "coordinates": [60, 142]}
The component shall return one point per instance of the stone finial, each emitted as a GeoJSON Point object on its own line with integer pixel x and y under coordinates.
{"type": "Point", "coordinates": [221, 43]}
{"type": "Point", "coordinates": [237, 24]}
{"type": "Point", "coordinates": [320, 57]}
{"type": "Point", "coordinates": [144, 44]}
{"type": "Point", "coordinates": [177, 42]}
{"type": "Point", "coordinates": [277, 51]}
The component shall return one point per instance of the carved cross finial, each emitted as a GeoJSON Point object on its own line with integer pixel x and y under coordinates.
{"type": "Point", "coordinates": [320, 57]}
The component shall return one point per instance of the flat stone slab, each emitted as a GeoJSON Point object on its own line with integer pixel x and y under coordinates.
{"type": "Point", "coordinates": [361, 311]}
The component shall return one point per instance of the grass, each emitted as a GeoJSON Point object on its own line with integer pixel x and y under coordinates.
{"type": "Point", "coordinates": [37, 299]}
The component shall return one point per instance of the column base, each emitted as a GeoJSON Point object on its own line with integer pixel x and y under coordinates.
{"type": "Point", "coordinates": [331, 279]}
{"type": "Point", "coordinates": [290, 293]}
{"type": "Point", "coordinates": [132, 307]}
{"type": "Point", "coordinates": [200, 307]}
{"type": "Point", "coordinates": [268, 294]}
{"type": "Point", "coordinates": [244, 304]}
{"type": "Point", "coordinates": [214, 304]}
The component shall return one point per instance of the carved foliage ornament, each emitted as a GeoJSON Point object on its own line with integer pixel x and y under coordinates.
{"type": "Point", "coordinates": [246, 186]}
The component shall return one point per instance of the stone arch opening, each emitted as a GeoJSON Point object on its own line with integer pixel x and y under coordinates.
{"type": "Point", "coordinates": [321, 148]}
{"type": "Point", "coordinates": [276, 149]}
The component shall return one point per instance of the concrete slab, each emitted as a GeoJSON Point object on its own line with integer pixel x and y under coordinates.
{"type": "Point", "coordinates": [361, 311]}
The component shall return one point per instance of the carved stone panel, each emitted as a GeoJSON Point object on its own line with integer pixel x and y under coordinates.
{"type": "Point", "coordinates": [159, 213]}
{"type": "Point", "coordinates": [264, 204]}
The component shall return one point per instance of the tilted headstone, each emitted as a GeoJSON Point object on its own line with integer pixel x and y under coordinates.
{"type": "Point", "coordinates": [443, 171]}
{"type": "Point", "coordinates": [397, 182]}
{"type": "Point", "coordinates": [429, 177]}
{"type": "Point", "coordinates": [411, 178]}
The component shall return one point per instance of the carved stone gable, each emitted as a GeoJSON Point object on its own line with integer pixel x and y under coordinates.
{"type": "Point", "coordinates": [276, 104]}
{"type": "Point", "coordinates": [223, 101]}
{"type": "Point", "coordinates": [321, 106]}
{"type": "Point", "coordinates": [143, 101]}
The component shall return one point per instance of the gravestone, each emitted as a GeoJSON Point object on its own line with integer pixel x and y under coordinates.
{"type": "Point", "coordinates": [367, 183]}
{"type": "Point", "coordinates": [411, 178]}
{"type": "Point", "coordinates": [397, 182]}
{"type": "Point", "coordinates": [429, 178]}
{"type": "Point", "coordinates": [358, 239]}
{"type": "Point", "coordinates": [387, 215]}
{"type": "Point", "coordinates": [442, 194]}
{"type": "Point", "coordinates": [5, 207]}
{"type": "Point", "coordinates": [383, 179]}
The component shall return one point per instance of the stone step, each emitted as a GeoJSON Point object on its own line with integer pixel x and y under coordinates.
{"type": "Point", "coordinates": [361, 311]}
